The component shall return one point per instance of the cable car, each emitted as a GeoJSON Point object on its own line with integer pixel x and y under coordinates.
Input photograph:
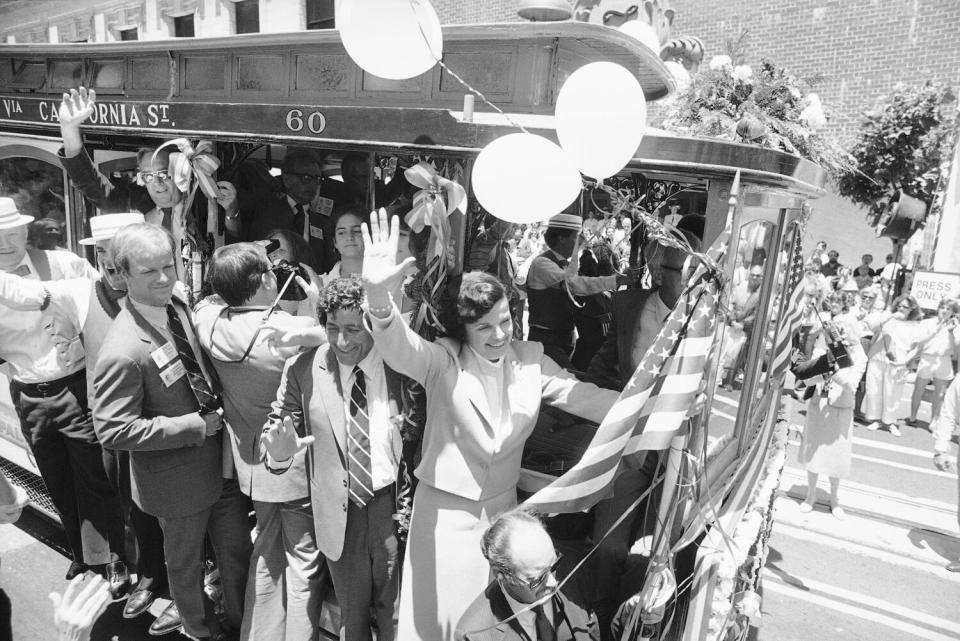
{"type": "Point", "coordinates": [258, 96]}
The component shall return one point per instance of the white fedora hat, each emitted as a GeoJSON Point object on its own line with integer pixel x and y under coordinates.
{"type": "Point", "coordinates": [10, 216]}
{"type": "Point", "coordinates": [106, 226]}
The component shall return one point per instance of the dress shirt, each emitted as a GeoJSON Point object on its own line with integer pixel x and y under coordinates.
{"type": "Point", "coordinates": [939, 343]}
{"type": "Point", "coordinates": [384, 436]}
{"type": "Point", "coordinates": [33, 351]}
{"type": "Point", "coordinates": [491, 377]}
{"type": "Point", "coordinates": [528, 619]}
{"type": "Point", "coordinates": [544, 274]}
{"type": "Point", "coordinates": [652, 317]}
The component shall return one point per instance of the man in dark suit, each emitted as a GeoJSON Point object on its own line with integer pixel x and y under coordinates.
{"type": "Point", "coordinates": [156, 397]}
{"type": "Point", "coordinates": [299, 200]}
{"type": "Point", "coordinates": [348, 403]}
{"type": "Point", "coordinates": [522, 603]}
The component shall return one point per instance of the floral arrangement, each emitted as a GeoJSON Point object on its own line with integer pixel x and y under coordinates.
{"type": "Point", "coordinates": [768, 107]}
{"type": "Point", "coordinates": [901, 145]}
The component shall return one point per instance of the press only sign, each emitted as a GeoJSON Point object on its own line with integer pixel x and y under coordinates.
{"type": "Point", "coordinates": [929, 288]}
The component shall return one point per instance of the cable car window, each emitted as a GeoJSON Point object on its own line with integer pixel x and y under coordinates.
{"type": "Point", "coordinates": [37, 188]}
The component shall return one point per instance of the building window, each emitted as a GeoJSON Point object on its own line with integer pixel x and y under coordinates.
{"type": "Point", "coordinates": [320, 14]}
{"type": "Point", "coordinates": [183, 26]}
{"type": "Point", "coordinates": [128, 34]}
{"type": "Point", "coordinates": [248, 16]}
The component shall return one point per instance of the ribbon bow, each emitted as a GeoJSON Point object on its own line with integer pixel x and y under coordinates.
{"type": "Point", "coordinates": [429, 209]}
{"type": "Point", "coordinates": [193, 162]}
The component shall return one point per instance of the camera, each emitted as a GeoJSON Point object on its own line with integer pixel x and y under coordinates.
{"type": "Point", "coordinates": [285, 270]}
{"type": "Point", "coordinates": [838, 351]}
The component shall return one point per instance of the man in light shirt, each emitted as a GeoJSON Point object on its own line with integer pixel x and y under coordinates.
{"type": "Point", "coordinates": [519, 603]}
{"type": "Point", "coordinates": [552, 282]}
{"type": "Point", "coordinates": [49, 391]}
{"type": "Point", "coordinates": [342, 399]}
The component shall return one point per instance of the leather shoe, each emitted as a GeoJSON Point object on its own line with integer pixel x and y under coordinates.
{"type": "Point", "coordinates": [118, 578]}
{"type": "Point", "coordinates": [76, 569]}
{"type": "Point", "coordinates": [168, 621]}
{"type": "Point", "coordinates": [954, 567]}
{"type": "Point", "coordinates": [138, 602]}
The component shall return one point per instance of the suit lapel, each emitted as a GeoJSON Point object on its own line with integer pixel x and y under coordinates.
{"type": "Point", "coordinates": [329, 387]}
{"type": "Point", "coordinates": [509, 630]}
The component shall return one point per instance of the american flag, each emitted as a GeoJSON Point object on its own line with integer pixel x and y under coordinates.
{"type": "Point", "coordinates": [666, 388]}
{"type": "Point", "coordinates": [792, 312]}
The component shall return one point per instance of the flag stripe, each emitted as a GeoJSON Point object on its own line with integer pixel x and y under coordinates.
{"type": "Point", "coordinates": [655, 404]}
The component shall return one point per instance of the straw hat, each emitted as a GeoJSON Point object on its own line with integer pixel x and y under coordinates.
{"type": "Point", "coordinates": [566, 221]}
{"type": "Point", "coordinates": [10, 216]}
{"type": "Point", "coordinates": [105, 226]}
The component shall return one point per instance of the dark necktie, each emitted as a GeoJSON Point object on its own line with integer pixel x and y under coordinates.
{"type": "Point", "coordinates": [358, 442]}
{"type": "Point", "coordinates": [299, 218]}
{"type": "Point", "coordinates": [545, 631]}
{"type": "Point", "coordinates": [206, 398]}
{"type": "Point", "coordinates": [21, 270]}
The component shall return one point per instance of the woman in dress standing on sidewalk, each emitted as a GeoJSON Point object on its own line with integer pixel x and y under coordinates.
{"type": "Point", "coordinates": [826, 447]}
{"type": "Point", "coordinates": [938, 343]}
{"type": "Point", "coordinates": [892, 348]}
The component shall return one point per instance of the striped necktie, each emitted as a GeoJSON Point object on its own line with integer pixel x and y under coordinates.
{"type": "Point", "coordinates": [358, 442]}
{"type": "Point", "coordinates": [206, 398]}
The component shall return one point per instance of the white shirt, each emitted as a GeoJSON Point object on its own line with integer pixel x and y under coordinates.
{"type": "Point", "coordinates": [528, 619]}
{"type": "Point", "coordinates": [34, 353]}
{"type": "Point", "coordinates": [384, 436]}
{"type": "Point", "coordinates": [544, 274]}
{"type": "Point", "coordinates": [491, 377]}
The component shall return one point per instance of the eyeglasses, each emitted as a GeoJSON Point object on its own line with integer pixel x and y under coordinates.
{"type": "Point", "coordinates": [671, 268]}
{"type": "Point", "coordinates": [306, 179]}
{"type": "Point", "coordinates": [148, 177]}
{"type": "Point", "coordinates": [535, 584]}
{"type": "Point", "coordinates": [904, 306]}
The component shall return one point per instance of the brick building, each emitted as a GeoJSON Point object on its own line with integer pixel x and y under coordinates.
{"type": "Point", "coordinates": [862, 47]}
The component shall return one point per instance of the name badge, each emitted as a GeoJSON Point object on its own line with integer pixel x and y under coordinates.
{"type": "Point", "coordinates": [173, 373]}
{"type": "Point", "coordinates": [163, 355]}
{"type": "Point", "coordinates": [316, 232]}
{"type": "Point", "coordinates": [323, 206]}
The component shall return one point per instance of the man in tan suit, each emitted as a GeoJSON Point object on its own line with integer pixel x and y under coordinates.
{"type": "Point", "coordinates": [347, 402]}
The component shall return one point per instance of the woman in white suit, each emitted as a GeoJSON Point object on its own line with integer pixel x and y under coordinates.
{"type": "Point", "coordinates": [483, 395]}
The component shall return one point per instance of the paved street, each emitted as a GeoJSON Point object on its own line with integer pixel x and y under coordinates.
{"type": "Point", "coordinates": [879, 573]}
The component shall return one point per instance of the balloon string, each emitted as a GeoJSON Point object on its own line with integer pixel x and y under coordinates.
{"type": "Point", "coordinates": [457, 77]}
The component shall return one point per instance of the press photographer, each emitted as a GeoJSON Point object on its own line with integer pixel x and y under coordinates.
{"type": "Point", "coordinates": [839, 361]}
{"type": "Point", "coordinates": [248, 340]}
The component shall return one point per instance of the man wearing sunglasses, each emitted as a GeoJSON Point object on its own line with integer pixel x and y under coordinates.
{"type": "Point", "coordinates": [292, 201]}
{"type": "Point", "coordinates": [154, 194]}
{"type": "Point", "coordinates": [522, 602]}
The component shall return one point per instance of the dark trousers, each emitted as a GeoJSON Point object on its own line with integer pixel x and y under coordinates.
{"type": "Point", "coordinates": [57, 426]}
{"type": "Point", "coordinates": [367, 575]}
{"type": "Point", "coordinates": [556, 345]}
{"type": "Point", "coordinates": [226, 523]}
{"type": "Point", "coordinates": [151, 564]}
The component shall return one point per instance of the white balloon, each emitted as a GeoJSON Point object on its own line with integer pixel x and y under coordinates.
{"type": "Point", "coordinates": [393, 39]}
{"type": "Point", "coordinates": [524, 178]}
{"type": "Point", "coordinates": [644, 33]}
{"type": "Point", "coordinates": [601, 116]}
